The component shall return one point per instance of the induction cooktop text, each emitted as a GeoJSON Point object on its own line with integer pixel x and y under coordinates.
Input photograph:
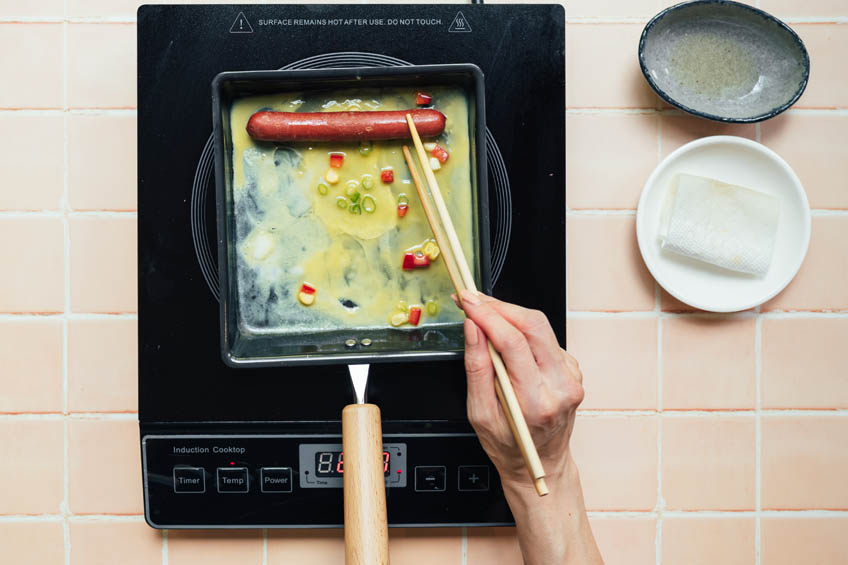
{"type": "Point", "coordinates": [193, 450]}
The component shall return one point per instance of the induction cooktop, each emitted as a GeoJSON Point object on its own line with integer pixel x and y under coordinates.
{"type": "Point", "coordinates": [229, 448]}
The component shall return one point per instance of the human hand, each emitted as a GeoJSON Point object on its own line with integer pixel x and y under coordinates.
{"type": "Point", "coordinates": [547, 382]}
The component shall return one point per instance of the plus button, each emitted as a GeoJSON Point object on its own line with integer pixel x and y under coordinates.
{"type": "Point", "coordinates": [473, 477]}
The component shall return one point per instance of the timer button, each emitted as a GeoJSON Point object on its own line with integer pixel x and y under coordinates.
{"type": "Point", "coordinates": [189, 479]}
{"type": "Point", "coordinates": [275, 479]}
{"type": "Point", "coordinates": [430, 479]}
{"type": "Point", "coordinates": [473, 477]}
{"type": "Point", "coordinates": [232, 479]}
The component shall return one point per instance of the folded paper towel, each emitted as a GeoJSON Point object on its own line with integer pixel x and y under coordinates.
{"type": "Point", "coordinates": [721, 224]}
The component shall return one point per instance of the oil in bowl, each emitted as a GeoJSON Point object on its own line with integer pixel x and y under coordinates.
{"type": "Point", "coordinates": [724, 61]}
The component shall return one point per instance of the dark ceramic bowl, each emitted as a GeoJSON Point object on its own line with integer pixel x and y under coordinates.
{"type": "Point", "coordinates": [724, 61]}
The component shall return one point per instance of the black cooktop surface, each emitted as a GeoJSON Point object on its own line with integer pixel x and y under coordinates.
{"type": "Point", "coordinates": [181, 48]}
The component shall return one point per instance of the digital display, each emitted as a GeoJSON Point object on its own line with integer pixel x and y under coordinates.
{"type": "Point", "coordinates": [331, 463]}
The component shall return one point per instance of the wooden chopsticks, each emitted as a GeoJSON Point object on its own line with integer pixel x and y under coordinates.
{"type": "Point", "coordinates": [461, 277]}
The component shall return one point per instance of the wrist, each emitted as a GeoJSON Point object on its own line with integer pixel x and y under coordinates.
{"type": "Point", "coordinates": [552, 528]}
{"type": "Point", "coordinates": [561, 479]}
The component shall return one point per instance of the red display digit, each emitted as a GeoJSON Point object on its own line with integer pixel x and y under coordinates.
{"type": "Point", "coordinates": [340, 464]}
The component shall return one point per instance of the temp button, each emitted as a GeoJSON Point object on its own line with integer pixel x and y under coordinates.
{"type": "Point", "coordinates": [232, 479]}
{"type": "Point", "coordinates": [189, 479]}
{"type": "Point", "coordinates": [276, 479]}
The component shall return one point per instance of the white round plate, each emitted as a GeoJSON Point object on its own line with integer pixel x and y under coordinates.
{"type": "Point", "coordinates": [742, 162]}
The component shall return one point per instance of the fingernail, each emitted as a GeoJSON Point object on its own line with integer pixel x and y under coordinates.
{"type": "Point", "coordinates": [470, 297]}
{"type": "Point", "coordinates": [470, 332]}
{"type": "Point", "coordinates": [456, 301]}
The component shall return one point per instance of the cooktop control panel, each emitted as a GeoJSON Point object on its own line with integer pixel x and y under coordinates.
{"type": "Point", "coordinates": [201, 481]}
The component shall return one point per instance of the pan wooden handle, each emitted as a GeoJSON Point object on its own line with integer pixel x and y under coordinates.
{"type": "Point", "coordinates": [366, 528]}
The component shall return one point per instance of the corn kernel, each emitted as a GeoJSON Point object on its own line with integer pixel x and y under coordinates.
{"type": "Point", "coordinates": [306, 298]}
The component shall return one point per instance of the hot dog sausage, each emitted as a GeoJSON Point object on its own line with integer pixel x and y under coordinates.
{"type": "Point", "coordinates": [342, 126]}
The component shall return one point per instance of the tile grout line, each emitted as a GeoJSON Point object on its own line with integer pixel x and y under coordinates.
{"type": "Point", "coordinates": [659, 417]}
{"type": "Point", "coordinates": [697, 315]}
{"type": "Point", "coordinates": [48, 112]}
{"type": "Point", "coordinates": [68, 19]}
{"type": "Point", "coordinates": [838, 212]}
{"type": "Point", "coordinates": [164, 547]}
{"type": "Point", "coordinates": [69, 316]}
{"type": "Point", "coordinates": [66, 236]}
{"type": "Point", "coordinates": [264, 546]}
{"type": "Point", "coordinates": [758, 437]}
{"type": "Point", "coordinates": [60, 416]}
{"type": "Point", "coordinates": [758, 363]}
{"type": "Point", "coordinates": [660, 504]}
{"type": "Point", "coordinates": [68, 213]}
{"type": "Point", "coordinates": [464, 547]}
{"type": "Point", "coordinates": [659, 138]}
{"type": "Point", "coordinates": [608, 513]}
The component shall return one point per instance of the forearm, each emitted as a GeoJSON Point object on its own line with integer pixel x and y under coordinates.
{"type": "Point", "coordinates": [553, 529]}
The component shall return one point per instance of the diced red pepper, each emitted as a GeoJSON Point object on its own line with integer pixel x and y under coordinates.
{"type": "Point", "coordinates": [420, 260]}
{"type": "Point", "coordinates": [387, 175]}
{"type": "Point", "coordinates": [408, 261]}
{"type": "Point", "coordinates": [440, 154]}
{"type": "Point", "coordinates": [422, 99]}
{"type": "Point", "coordinates": [307, 288]}
{"type": "Point", "coordinates": [414, 315]}
{"type": "Point", "coordinates": [336, 160]}
{"type": "Point", "coordinates": [403, 209]}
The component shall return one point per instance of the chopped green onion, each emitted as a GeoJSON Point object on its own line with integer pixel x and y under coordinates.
{"type": "Point", "coordinates": [402, 305]}
{"type": "Point", "coordinates": [432, 308]}
{"type": "Point", "coordinates": [367, 182]}
{"type": "Point", "coordinates": [323, 189]}
{"type": "Point", "coordinates": [355, 197]}
{"type": "Point", "coordinates": [365, 147]}
{"type": "Point", "coordinates": [398, 319]}
{"type": "Point", "coordinates": [403, 200]}
{"type": "Point", "coordinates": [369, 204]}
{"type": "Point", "coordinates": [355, 209]}
{"type": "Point", "coordinates": [341, 202]}
{"type": "Point", "coordinates": [352, 186]}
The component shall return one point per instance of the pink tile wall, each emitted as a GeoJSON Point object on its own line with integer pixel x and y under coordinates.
{"type": "Point", "coordinates": [702, 438]}
{"type": "Point", "coordinates": [129, 542]}
{"type": "Point", "coordinates": [31, 350]}
{"type": "Point", "coordinates": [709, 363]}
{"type": "Point", "coordinates": [811, 540]}
{"type": "Point", "coordinates": [33, 543]}
{"type": "Point", "coordinates": [704, 541]}
{"type": "Point", "coordinates": [31, 152]}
